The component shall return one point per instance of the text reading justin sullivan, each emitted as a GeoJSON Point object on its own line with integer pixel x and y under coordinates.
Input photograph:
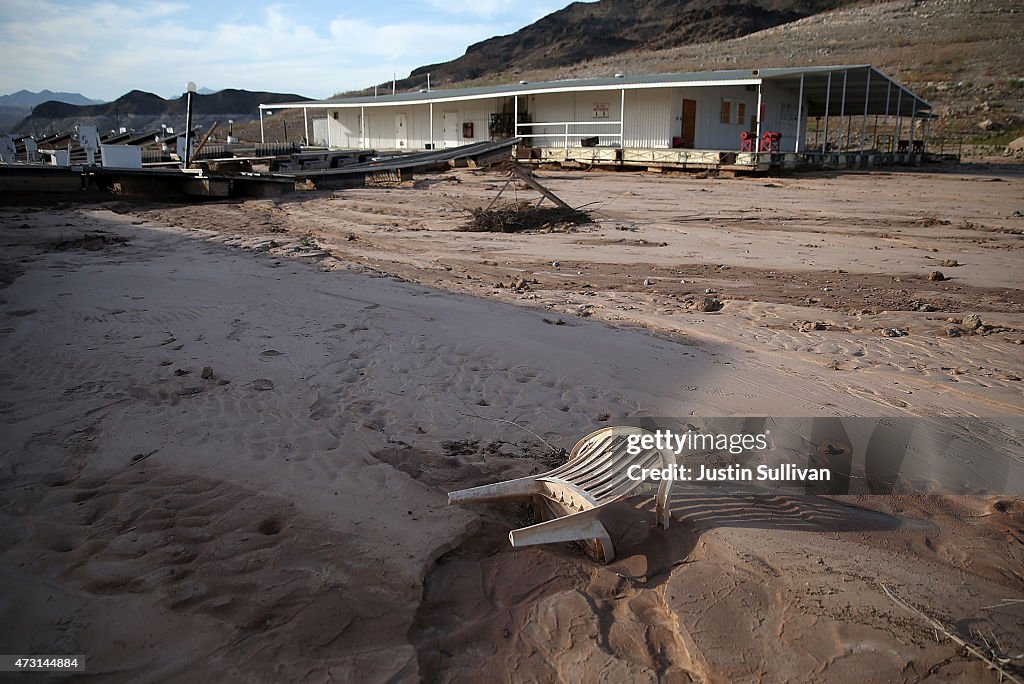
{"type": "Point", "coordinates": [734, 444]}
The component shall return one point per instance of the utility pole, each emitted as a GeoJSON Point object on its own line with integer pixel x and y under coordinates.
{"type": "Point", "coordinates": [190, 88]}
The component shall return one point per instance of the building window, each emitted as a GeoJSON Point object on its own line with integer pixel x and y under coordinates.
{"type": "Point", "coordinates": [734, 112]}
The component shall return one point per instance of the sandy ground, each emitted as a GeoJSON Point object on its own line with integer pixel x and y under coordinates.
{"type": "Point", "coordinates": [282, 516]}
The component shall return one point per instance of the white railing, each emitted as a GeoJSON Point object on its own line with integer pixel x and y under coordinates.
{"type": "Point", "coordinates": [565, 129]}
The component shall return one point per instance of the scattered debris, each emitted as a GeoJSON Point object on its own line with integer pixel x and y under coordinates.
{"type": "Point", "coordinates": [810, 326]}
{"type": "Point", "coordinates": [520, 216]}
{"type": "Point", "coordinates": [179, 372]}
{"type": "Point", "coordinates": [950, 263]}
{"type": "Point", "coordinates": [90, 241]}
{"type": "Point", "coordinates": [142, 457]}
{"type": "Point", "coordinates": [513, 217]}
{"type": "Point", "coordinates": [895, 332]}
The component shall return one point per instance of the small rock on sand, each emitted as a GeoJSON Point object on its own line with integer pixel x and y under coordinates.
{"type": "Point", "coordinates": [262, 385]}
{"type": "Point", "coordinates": [207, 372]}
{"type": "Point", "coordinates": [971, 321]}
{"type": "Point", "coordinates": [706, 304]}
{"type": "Point", "coordinates": [936, 276]}
{"type": "Point", "coordinates": [950, 263]}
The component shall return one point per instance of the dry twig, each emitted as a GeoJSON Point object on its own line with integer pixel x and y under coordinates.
{"type": "Point", "coordinates": [557, 452]}
{"type": "Point", "coordinates": [993, 659]}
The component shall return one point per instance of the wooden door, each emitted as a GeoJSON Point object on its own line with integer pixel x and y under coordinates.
{"type": "Point", "coordinates": [689, 123]}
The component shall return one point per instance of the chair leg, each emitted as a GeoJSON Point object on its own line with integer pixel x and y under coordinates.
{"type": "Point", "coordinates": [499, 491]}
{"type": "Point", "coordinates": [663, 509]}
{"type": "Point", "coordinates": [575, 527]}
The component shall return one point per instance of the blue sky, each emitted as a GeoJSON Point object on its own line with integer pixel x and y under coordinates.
{"type": "Point", "coordinates": [315, 48]}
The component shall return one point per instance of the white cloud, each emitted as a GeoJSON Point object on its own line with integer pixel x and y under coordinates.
{"type": "Point", "coordinates": [103, 49]}
{"type": "Point", "coordinates": [490, 9]}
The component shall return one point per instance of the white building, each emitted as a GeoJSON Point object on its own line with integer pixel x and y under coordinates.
{"type": "Point", "coordinates": [810, 109]}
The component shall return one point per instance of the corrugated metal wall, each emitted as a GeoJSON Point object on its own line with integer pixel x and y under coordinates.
{"type": "Point", "coordinates": [711, 133]}
{"type": "Point", "coordinates": [649, 118]}
{"type": "Point", "coordinates": [591, 113]}
{"type": "Point", "coordinates": [653, 117]}
{"type": "Point", "coordinates": [380, 127]}
{"type": "Point", "coordinates": [780, 114]}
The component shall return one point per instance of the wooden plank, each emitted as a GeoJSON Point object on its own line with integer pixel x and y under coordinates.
{"type": "Point", "coordinates": [522, 175]}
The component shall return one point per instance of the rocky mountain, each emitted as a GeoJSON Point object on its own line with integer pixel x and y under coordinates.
{"type": "Point", "coordinates": [962, 55]}
{"type": "Point", "coordinates": [141, 110]}
{"type": "Point", "coordinates": [588, 30]}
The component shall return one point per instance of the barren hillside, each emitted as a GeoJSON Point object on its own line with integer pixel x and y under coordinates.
{"type": "Point", "coordinates": [963, 55]}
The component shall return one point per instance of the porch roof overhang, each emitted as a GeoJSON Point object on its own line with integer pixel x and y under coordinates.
{"type": "Point", "coordinates": [865, 85]}
{"type": "Point", "coordinates": [815, 86]}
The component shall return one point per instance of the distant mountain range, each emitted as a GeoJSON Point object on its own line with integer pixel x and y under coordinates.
{"type": "Point", "coordinates": [27, 99]}
{"type": "Point", "coordinates": [16, 106]}
{"type": "Point", "coordinates": [140, 110]}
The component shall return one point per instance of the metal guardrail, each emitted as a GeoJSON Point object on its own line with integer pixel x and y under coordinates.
{"type": "Point", "coordinates": [566, 133]}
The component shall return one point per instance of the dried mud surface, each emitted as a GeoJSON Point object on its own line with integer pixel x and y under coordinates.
{"type": "Point", "coordinates": [282, 515]}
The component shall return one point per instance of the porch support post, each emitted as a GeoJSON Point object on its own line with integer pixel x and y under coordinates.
{"type": "Point", "coordinates": [842, 115]}
{"type": "Point", "coordinates": [305, 126]}
{"type": "Point", "coordinates": [799, 117]}
{"type": "Point", "coordinates": [263, 138]}
{"type": "Point", "coordinates": [329, 119]}
{"type": "Point", "coordinates": [913, 125]}
{"type": "Point", "coordinates": [362, 128]}
{"type": "Point", "coordinates": [899, 124]}
{"type": "Point", "coordinates": [515, 116]}
{"type": "Point", "coordinates": [864, 122]}
{"type": "Point", "coordinates": [888, 92]}
{"type": "Point", "coordinates": [760, 106]}
{"type": "Point", "coordinates": [828, 96]}
{"type": "Point", "coordinates": [622, 118]}
{"type": "Point", "coordinates": [431, 114]}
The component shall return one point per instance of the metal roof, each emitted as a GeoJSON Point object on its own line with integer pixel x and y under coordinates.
{"type": "Point", "coordinates": [816, 81]}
